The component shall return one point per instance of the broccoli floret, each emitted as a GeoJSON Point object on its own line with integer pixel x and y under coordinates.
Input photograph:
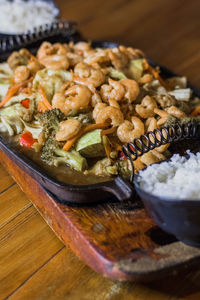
{"type": "Point", "coordinates": [50, 120]}
{"type": "Point", "coordinates": [53, 155]}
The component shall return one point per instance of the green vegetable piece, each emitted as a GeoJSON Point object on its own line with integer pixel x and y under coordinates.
{"type": "Point", "coordinates": [136, 68]}
{"type": "Point", "coordinates": [76, 161]}
{"type": "Point", "coordinates": [53, 155]}
{"type": "Point", "coordinates": [3, 90]}
{"type": "Point", "coordinates": [114, 73]}
{"type": "Point", "coordinates": [91, 145]}
{"type": "Point", "coordinates": [50, 80]}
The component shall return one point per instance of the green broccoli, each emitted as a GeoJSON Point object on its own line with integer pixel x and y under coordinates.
{"type": "Point", "coordinates": [53, 155]}
{"type": "Point", "coordinates": [50, 120]}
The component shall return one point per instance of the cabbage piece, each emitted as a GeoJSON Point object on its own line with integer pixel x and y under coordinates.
{"type": "Point", "coordinates": [50, 80]}
{"type": "Point", "coordinates": [91, 145]}
{"type": "Point", "coordinates": [182, 94]}
{"type": "Point", "coordinates": [10, 122]}
{"type": "Point", "coordinates": [116, 74]}
{"type": "Point", "coordinates": [3, 89]}
{"type": "Point", "coordinates": [5, 71]}
{"type": "Point", "coordinates": [136, 68]}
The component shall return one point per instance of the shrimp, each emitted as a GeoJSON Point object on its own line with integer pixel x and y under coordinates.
{"type": "Point", "coordinates": [88, 75]}
{"type": "Point", "coordinates": [81, 47]}
{"type": "Point", "coordinates": [130, 52]}
{"type": "Point", "coordinates": [115, 90]}
{"type": "Point", "coordinates": [131, 89]}
{"type": "Point", "coordinates": [109, 114]}
{"type": "Point", "coordinates": [74, 58]}
{"type": "Point", "coordinates": [99, 56]}
{"type": "Point", "coordinates": [146, 78]}
{"type": "Point", "coordinates": [76, 98]}
{"type": "Point", "coordinates": [138, 165]}
{"type": "Point", "coordinates": [118, 58]}
{"type": "Point", "coordinates": [21, 73]}
{"type": "Point", "coordinates": [176, 112]}
{"type": "Point", "coordinates": [114, 103]}
{"type": "Point", "coordinates": [163, 116]}
{"type": "Point", "coordinates": [97, 109]}
{"type": "Point", "coordinates": [151, 157]}
{"type": "Point", "coordinates": [128, 131]}
{"type": "Point", "coordinates": [146, 108]}
{"type": "Point", "coordinates": [151, 124]}
{"type": "Point", "coordinates": [96, 98]}
{"type": "Point", "coordinates": [34, 65]}
{"type": "Point", "coordinates": [53, 56]}
{"type": "Point", "coordinates": [68, 129]}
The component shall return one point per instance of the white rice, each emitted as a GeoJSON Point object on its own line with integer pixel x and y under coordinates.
{"type": "Point", "coordinates": [19, 16]}
{"type": "Point", "coordinates": [178, 178]}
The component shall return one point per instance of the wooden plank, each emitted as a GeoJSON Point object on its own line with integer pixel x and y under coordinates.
{"type": "Point", "coordinates": [12, 203]}
{"type": "Point", "coordinates": [66, 277]}
{"type": "Point", "coordinates": [26, 243]}
{"type": "Point", "coordinates": [5, 179]}
{"type": "Point", "coordinates": [115, 239]}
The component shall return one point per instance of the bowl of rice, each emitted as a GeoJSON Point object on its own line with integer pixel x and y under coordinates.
{"type": "Point", "coordinates": [170, 191]}
{"type": "Point", "coordinates": [22, 16]}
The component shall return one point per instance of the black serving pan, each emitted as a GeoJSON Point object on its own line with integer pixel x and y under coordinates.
{"type": "Point", "coordinates": [120, 188]}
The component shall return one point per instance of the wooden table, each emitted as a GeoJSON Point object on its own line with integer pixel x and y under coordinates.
{"type": "Point", "coordinates": [34, 264]}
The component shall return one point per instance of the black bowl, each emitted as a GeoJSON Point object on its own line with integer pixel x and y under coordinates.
{"type": "Point", "coordinates": [178, 217]}
{"type": "Point", "coordinates": [51, 2]}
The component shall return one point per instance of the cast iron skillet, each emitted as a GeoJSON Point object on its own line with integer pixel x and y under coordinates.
{"type": "Point", "coordinates": [120, 188]}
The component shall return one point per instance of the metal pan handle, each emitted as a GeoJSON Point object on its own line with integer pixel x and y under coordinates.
{"type": "Point", "coordinates": [121, 188]}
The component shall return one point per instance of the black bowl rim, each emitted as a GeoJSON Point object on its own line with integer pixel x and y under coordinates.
{"type": "Point", "coordinates": [56, 17]}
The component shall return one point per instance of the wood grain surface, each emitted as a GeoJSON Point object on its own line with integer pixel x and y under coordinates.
{"type": "Point", "coordinates": [34, 264]}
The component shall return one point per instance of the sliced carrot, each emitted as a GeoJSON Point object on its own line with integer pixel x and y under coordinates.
{"type": "Point", "coordinates": [155, 74]}
{"type": "Point", "coordinates": [42, 107]}
{"type": "Point", "coordinates": [12, 91]}
{"type": "Point", "coordinates": [196, 111]}
{"type": "Point", "coordinates": [108, 131]}
{"type": "Point", "coordinates": [44, 98]}
{"type": "Point", "coordinates": [84, 130]}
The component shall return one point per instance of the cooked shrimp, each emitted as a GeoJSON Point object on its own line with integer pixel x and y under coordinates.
{"type": "Point", "coordinates": [176, 112]}
{"type": "Point", "coordinates": [82, 46]}
{"type": "Point", "coordinates": [118, 59]}
{"type": "Point", "coordinates": [130, 52]}
{"type": "Point", "coordinates": [97, 109]}
{"type": "Point", "coordinates": [96, 98]}
{"type": "Point", "coordinates": [131, 89]}
{"type": "Point", "coordinates": [114, 103]}
{"type": "Point", "coordinates": [99, 56]}
{"type": "Point", "coordinates": [53, 56]}
{"type": "Point", "coordinates": [110, 114]}
{"type": "Point", "coordinates": [162, 114]}
{"type": "Point", "coordinates": [113, 90]}
{"type": "Point", "coordinates": [74, 58]}
{"type": "Point", "coordinates": [34, 65]}
{"type": "Point", "coordinates": [76, 98]}
{"type": "Point", "coordinates": [146, 78]}
{"type": "Point", "coordinates": [138, 165]}
{"type": "Point", "coordinates": [128, 131]}
{"type": "Point", "coordinates": [151, 124]}
{"type": "Point", "coordinates": [21, 73]}
{"type": "Point", "coordinates": [68, 129]}
{"type": "Point", "coordinates": [151, 157]}
{"type": "Point", "coordinates": [86, 74]}
{"type": "Point", "coordinates": [146, 108]}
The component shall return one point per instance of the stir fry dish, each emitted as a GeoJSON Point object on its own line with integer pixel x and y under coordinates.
{"type": "Point", "coordinates": [75, 106]}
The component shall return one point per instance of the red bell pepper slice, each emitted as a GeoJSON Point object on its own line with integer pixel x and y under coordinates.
{"type": "Point", "coordinates": [27, 140]}
{"type": "Point", "coordinates": [25, 103]}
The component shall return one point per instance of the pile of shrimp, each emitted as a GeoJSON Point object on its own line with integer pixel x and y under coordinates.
{"type": "Point", "coordinates": [124, 107]}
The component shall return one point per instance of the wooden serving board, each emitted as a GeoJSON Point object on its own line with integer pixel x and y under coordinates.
{"type": "Point", "coordinates": [118, 240]}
